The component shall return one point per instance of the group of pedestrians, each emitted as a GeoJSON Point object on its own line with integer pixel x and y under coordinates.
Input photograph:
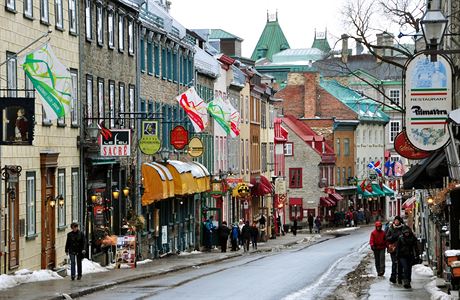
{"type": "Point", "coordinates": [402, 245]}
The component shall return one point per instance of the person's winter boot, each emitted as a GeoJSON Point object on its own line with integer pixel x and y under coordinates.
{"type": "Point", "coordinates": [392, 280]}
{"type": "Point", "coordinates": [406, 284]}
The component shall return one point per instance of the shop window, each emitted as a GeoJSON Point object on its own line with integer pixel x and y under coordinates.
{"type": "Point", "coordinates": [295, 177]}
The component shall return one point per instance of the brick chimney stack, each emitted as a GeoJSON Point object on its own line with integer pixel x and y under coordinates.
{"type": "Point", "coordinates": [311, 83]}
{"type": "Point", "coordinates": [344, 48]}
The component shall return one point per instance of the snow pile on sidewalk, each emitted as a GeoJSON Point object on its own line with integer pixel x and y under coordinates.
{"type": "Point", "coordinates": [145, 261]}
{"type": "Point", "coordinates": [190, 253]}
{"type": "Point", "coordinates": [88, 267]}
{"type": "Point", "coordinates": [26, 276]}
{"type": "Point", "coordinates": [436, 294]}
{"type": "Point", "coordinates": [344, 229]}
{"type": "Point", "coordinates": [422, 270]}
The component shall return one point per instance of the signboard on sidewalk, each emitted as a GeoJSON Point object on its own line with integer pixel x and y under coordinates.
{"type": "Point", "coordinates": [126, 251]}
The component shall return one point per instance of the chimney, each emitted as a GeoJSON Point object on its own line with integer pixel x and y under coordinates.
{"type": "Point", "coordinates": [359, 46]}
{"type": "Point", "coordinates": [311, 85]}
{"type": "Point", "coordinates": [344, 48]}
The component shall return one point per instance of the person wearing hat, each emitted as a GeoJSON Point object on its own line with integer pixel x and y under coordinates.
{"type": "Point", "coordinates": [392, 236]}
{"type": "Point", "coordinates": [407, 252]}
{"type": "Point", "coordinates": [75, 248]}
{"type": "Point", "coordinates": [378, 245]}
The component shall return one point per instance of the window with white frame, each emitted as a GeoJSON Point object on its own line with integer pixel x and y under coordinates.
{"type": "Point", "coordinates": [76, 215]}
{"type": "Point", "coordinates": [44, 11]}
{"type": "Point", "coordinates": [121, 102]}
{"type": "Point", "coordinates": [74, 100]}
{"type": "Point", "coordinates": [395, 128]}
{"type": "Point", "coordinates": [112, 103]}
{"type": "Point", "coordinates": [12, 75]}
{"type": "Point", "coordinates": [30, 204]}
{"type": "Point", "coordinates": [288, 149]}
{"type": "Point", "coordinates": [11, 5]}
{"type": "Point", "coordinates": [88, 20]}
{"type": "Point", "coordinates": [28, 8]}
{"type": "Point", "coordinates": [271, 156]}
{"type": "Point", "coordinates": [246, 108]}
{"type": "Point", "coordinates": [121, 37]}
{"type": "Point", "coordinates": [358, 137]}
{"type": "Point", "coordinates": [242, 156]}
{"type": "Point", "coordinates": [72, 16]}
{"type": "Point", "coordinates": [247, 156]}
{"type": "Point", "coordinates": [131, 100]}
{"type": "Point", "coordinates": [28, 86]}
{"type": "Point", "coordinates": [99, 25]}
{"type": "Point", "coordinates": [61, 203]}
{"type": "Point", "coordinates": [89, 98]}
{"type": "Point", "coordinates": [346, 147]}
{"type": "Point", "coordinates": [131, 36]}
{"type": "Point", "coordinates": [394, 95]}
{"type": "Point", "coordinates": [100, 98]}
{"type": "Point", "coordinates": [58, 14]}
{"type": "Point", "coordinates": [110, 27]}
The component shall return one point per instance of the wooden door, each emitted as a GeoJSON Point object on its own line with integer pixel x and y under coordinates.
{"type": "Point", "coordinates": [13, 223]}
{"type": "Point", "coordinates": [48, 255]}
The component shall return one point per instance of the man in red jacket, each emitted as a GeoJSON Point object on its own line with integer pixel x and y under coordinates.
{"type": "Point", "coordinates": [378, 245]}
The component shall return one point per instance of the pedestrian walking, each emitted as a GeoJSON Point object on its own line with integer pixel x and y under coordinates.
{"type": "Point", "coordinates": [392, 236]}
{"type": "Point", "coordinates": [246, 236]}
{"type": "Point", "coordinates": [407, 253]}
{"type": "Point", "coordinates": [235, 235]}
{"type": "Point", "coordinates": [294, 227]}
{"type": "Point", "coordinates": [209, 229]}
{"type": "Point", "coordinates": [355, 218]}
{"type": "Point", "coordinates": [223, 232]}
{"type": "Point", "coordinates": [75, 247]}
{"type": "Point", "coordinates": [280, 225]}
{"type": "Point", "coordinates": [254, 235]}
{"type": "Point", "coordinates": [378, 246]}
{"type": "Point", "coordinates": [310, 220]}
{"type": "Point", "coordinates": [240, 226]}
{"type": "Point", "coordinates": [367, 215]}
{"type": "Point", "coordinates": [318, 224]}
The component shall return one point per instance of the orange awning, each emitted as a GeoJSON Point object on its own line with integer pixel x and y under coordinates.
{"type": "Point", "coordinates": [155, 184]}
{"type": "Point", "coordinates": [184, 183]}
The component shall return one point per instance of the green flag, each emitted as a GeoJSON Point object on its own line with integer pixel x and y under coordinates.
{"type": "Point", "coordinates": [51, 79]}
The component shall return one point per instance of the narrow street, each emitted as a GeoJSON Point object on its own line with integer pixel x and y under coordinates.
{"type": "Point", "coordinates": [296, 273]}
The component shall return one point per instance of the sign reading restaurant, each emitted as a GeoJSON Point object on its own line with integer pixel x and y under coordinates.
{"type": "Point", "coordinates": [117, 143]}
{"type": "Point", "coordinates": [428, 94]}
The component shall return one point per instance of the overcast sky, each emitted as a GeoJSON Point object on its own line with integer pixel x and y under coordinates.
{"type": "Point", "coordinates": [247, 18]}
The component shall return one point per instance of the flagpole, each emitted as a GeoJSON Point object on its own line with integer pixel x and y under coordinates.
{"type": "Point", "coordinates": [26, 47]}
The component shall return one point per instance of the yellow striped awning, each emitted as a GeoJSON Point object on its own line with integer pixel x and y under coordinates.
{"type": "Point", "coordinates": [155, 184]}
{"type": "Point", "coordinates": [206, 177]}
{"type": "Point", "coordinates": [169, 181]}
{"type": "Point", "coordinates": [184, 182]}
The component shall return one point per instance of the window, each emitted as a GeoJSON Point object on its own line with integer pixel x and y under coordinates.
{"type": "Point", "coordinates": [121, 103]}
{"type": "Point", "coordinates": [242, 156]}
{"type": "Point", "coordinates": [28, 8]}
{"type": "Point", "coordinates": [149, 58]}
{"type": "Point", "coordinates": [76, 215]}
{"type": "Point", "coordinates": [112, 103]}
{"type": "Point", "coordinates": [30, 204]}
{"type": "Point", "coordinates": [130, 37]}
{"type": "Point", "coordinates": [395, 127]}
{"type": "Point", "coordinates": [295, 177]}
{"type": "Point", "coordinates": [263, 119]}
{"type": "Point", "coordinates": [358, 137]}
{"type": "Point", "coordinates": [271, 156]}
{"type": "Point", "coordinates": [346, 147]}
{"type": "Point", "coordinates": [163, 62]}
{"type": "Point", "coordinates": [254, 109]}
{"type": "Point", "coordinates": [246, 108]}
{"type": "Point", "coordinates": [88, 20]}
{"type": "Point", "coordinates": [110, 26]}
{"type": "Point", "coordinates": [288, 149]}
{"type": "Point", "coordinates": [337, 150]}
{"type": "Point", "coordinates": [247, 156]}
{"type": "Point", "coordinates": [11, 5]}
{"type": "Point", "coordinates": [369, 132]}
{"type": "Point", "coordinates": [174, 66]}
{"type": "Point", "coordinates": [338, 176]}
{"type": "Point", "coordinates": [99, 25]}
{"type": "Point", "coordinates": [89, 98]}
{"type": "Point", "coordinates": [344, 170]}
{"type": "Point", "coordinates": [100, 98]}
{"type": "Point", "coordinates": [394, 96]}
{"type": "Point", "coordinates": [156, 50]}
{"type": "Point", "coordinates": [169, 62]}
{"type": "Point", "coordinates": [11, 75]}
{"type": "Point", "coordinates": [72, 16]}
{"type": "Point", "coordinates": [349, 173]}
{"type": "Point", "coordinates": [121, 36]}
{"type": "Point", "coordinates": [264, 156]}
{"type": "Point", "coordinates": [142, 54]}
{"type": "Point", "coordinates": [61, 193]}
{"type": "Point", "coordinates": [74, 103]}
{"type": "Point", "coordinates": [132, 101]}
{"type": "Point", "coordinates": [28, 86]}
{"type": "Point", "coordinates": [44, 11]}
{"type": "Point", "coordinates": [58, 14]}
{"type": "Point", "coordinates": [271, 118]}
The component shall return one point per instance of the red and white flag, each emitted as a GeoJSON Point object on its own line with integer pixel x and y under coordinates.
{"type": "Point", "coordinates": [195, 108]}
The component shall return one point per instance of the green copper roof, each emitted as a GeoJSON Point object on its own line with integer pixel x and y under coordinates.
{"type": "Point", "coordinates": [271, 41]}
{"type": "Point", "coordinates": [321, 43]}
{"type": "Point", "coordinates": [367, 109]}
{"type": "Point", "coordinates": [218, 34]}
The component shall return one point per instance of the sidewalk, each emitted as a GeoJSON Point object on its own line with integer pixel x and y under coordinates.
{"type": "Point", "coordinates": [383, 289]}
{"type": "Point", "coordinates": [55, 289]}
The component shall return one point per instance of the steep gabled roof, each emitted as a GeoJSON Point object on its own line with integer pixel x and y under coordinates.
{"type": "Point", "coordinates": [321, 43]}
{"type": "Point", "coordinates": [271, 41]}
{"type": "Point", "coordinates": [219, 34]}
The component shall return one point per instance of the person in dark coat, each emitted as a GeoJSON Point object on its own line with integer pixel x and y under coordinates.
{"type": "Point", "coordinates": [407, 253]}
{"type": "Point", "coordinates": [294, 227]}
{"type": "Point", "coordinates": [246, 235]}
{"type": "Point", "coordinates": [254, 235]}
{"type": "Point", "coordinates": [318, 224]}
{"type": "Point", "coordinates": [235, 236]}
{"type": "Point", "coordinates": [75, 247]}
{"type": "Point", "coordinates": [392, 236]}
{"type": "Point", "coordinates": [224, 232]}
{"type": "Point", "coordinates": [378, 246]}
{"type": "Point", "coordinates": [209, 230]}
{"type": "Point", "coordinates": [310, 220]}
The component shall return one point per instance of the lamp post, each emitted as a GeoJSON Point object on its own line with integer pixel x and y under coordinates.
{"type": "Point", "coordinates": [434, 26]}
{"type": "Point", "coordinates": [115, 196]}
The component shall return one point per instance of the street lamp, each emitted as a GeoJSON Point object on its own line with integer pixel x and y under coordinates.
{"type": "Point", "coordinates": [116, 193]}
{"type": "Point", "coordinates": [93, 131]}
{"type": "Point", "coordinates": [126, 191]}
{"type": "Point", "coordinates": [93, 198]}
{"type": "Point", "coordinates": [434, 26]}
{"type": "Point", "coordinates": [60, 200]}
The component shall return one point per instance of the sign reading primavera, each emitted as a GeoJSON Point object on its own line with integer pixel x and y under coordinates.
{"type": "Point", "coordinates": [428, 101]}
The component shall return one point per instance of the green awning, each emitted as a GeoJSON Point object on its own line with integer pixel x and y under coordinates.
{"type": "Point", "coordinates": [366, 193]}
{"type": "Point", "coordinates": [377, 191]}
{"type": "Point", "coordinates": [388, 191]}
{"type": "Point", "coordinates": [103, 161]}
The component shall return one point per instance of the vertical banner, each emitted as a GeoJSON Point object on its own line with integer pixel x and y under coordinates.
{"type": "Point", "coordinates": [428, 93]}
{"type": "Point", "coordinates": [51, 79]}
{"type": "Point", "coordinates": [234, 122]}
{"type": "Point", "coordinates": [195, 108]}
{"type": "Point", "coordinates": [220, 111]}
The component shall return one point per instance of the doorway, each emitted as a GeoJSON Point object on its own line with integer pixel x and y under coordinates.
{"type": "Point", "coordinates": [13, 223]}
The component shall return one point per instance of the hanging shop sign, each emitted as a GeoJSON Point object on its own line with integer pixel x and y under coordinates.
{"type": "Point", "coordinates": [404, 148]}
{"type": "Point", "coordinates": [179, 137]}
{"type": "Point", "coordinates": [242, 190]}
{"type": "Point", "coordinates": [195, 147]}
{"type": "Point", "coordinates": [118, 143]}
{"type": "Point", "coordinates": [280, 186]}
{"type": "Point", "coordinates": [428, 95]}
{"type": "Point", "coordinates": [149, 143]}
